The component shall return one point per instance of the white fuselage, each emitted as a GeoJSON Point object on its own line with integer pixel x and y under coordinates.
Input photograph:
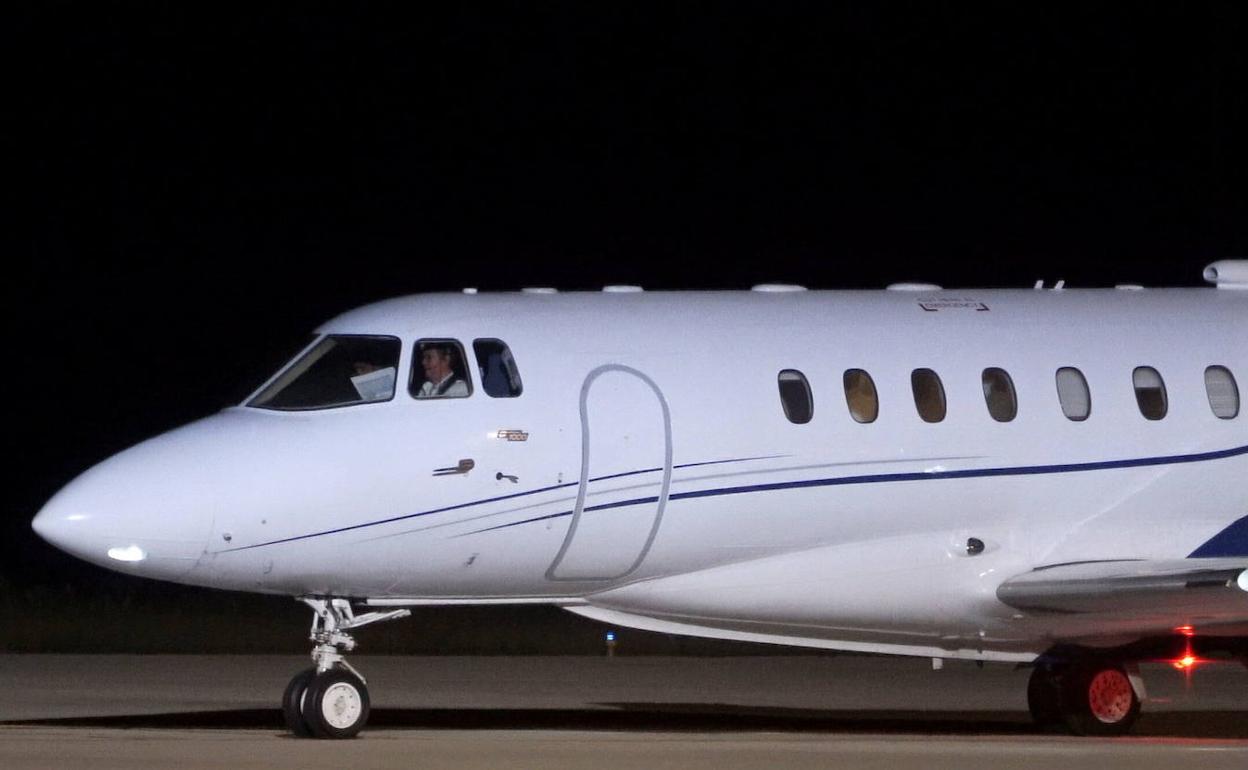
{"type": "Point", "coordinates": [660, 483]}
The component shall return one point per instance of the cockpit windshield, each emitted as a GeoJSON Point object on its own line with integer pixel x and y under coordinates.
{"type": "Point", "coordinates": [338, 370]}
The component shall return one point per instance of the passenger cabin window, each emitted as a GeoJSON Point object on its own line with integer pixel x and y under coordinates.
{"type": "Point", "coordinates": [795, 397]}
{"type": "Point", "coordinates": [999, 394]}
{"type": "Point", "coordinates": [929, 394]}
{"type": "Point", "coordinates": [861, 396]}
{"type": "Point", "coordinates": [338, 370]}
{"type": "Point", "coordinates": [1072, 392]}
{"type": "Point", "coordinates": [499, 376]}
{"type": "Point", "coordinates": [1150, 392]}
{"type": "Point", "coordinates": [1222, 391]}
{"type": "Point", "coordinates": [439, 371]}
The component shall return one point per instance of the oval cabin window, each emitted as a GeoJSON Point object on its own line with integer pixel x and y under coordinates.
{"type": "Point", "coordinates": [1222, 391]}
{"type": "Point", "coordinates": [929, 394]}
{"type": "Point", "coordinates": [861, 396]}
{"type": "Point", "coordinates": [795, 396]}
{"type": "Point", "coordinates": [999, 394]}
{"type": "Point", "coordinates": [1150, 392]}
{"type": "Point", "coordinates": [1072, 391]}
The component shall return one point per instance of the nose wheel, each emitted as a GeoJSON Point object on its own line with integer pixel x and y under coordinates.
{"type": "Point", "coordinates": [331, 700]}
{"type": "Point", "coordinates": [333, 704]}
{"type": "Point", "coordinates": [292, 703]}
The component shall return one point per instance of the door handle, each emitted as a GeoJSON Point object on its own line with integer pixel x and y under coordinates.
{"type": "Point", "coordinates": [462, 467]}
{"type": "Point", "coordinates": [500, 476]}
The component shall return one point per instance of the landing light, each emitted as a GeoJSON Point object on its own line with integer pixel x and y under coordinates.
{"type": "Point", "coordinates": [130, 553]}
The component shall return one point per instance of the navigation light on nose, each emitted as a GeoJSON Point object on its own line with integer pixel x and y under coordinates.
{"type": "Point", "coordinates": [130, 553]}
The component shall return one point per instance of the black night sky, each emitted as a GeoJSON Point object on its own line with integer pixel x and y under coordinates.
{"type": "Point", "coordinates": [193, 188]}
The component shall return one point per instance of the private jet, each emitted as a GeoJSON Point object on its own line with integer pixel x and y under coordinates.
{"type": "Point", "coordinates": [1046, 476]}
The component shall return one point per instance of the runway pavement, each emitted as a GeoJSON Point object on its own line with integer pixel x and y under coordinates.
{"type": "Point", "coordinates": [219, 711]}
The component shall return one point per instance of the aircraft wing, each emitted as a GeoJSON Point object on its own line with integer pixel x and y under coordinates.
{"type": "Point", "coordinates": [1210, 588]}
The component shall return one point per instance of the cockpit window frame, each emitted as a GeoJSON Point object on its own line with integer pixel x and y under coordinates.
{"type": "Point", "coordinates": [250, 402]}
{"type": "Point", "coordinates": [515, 383]}
{"type": "Point", "coordinates": [414, 365]}
{"type": "Point", "coordinates": [290, 361]}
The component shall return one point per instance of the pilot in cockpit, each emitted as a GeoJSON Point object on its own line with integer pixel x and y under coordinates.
{"type": "Point", "coordinates": [440, 363]}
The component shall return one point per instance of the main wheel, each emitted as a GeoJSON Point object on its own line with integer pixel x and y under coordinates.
{"type": "Point", "coordinates": [336, 705]}
{"type": "Point", "coordinates": [1098, 699]}
{"type": "Point", "coordinates": [292, 703]}
{"type": "Point", "coordinates": [1044, 698]}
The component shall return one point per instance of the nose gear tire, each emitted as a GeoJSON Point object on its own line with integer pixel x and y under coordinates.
{"type": "Point", "coordinates": [292, 703]}
{"type": "Point", "coordinates": [336, 704]}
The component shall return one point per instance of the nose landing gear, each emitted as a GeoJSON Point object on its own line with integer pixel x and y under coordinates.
{"type": "Point", "coordinates": [331, 699]}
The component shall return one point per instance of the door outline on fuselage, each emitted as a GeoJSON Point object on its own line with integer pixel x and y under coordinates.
{"type": "Point", "coordinates": [582, 488]}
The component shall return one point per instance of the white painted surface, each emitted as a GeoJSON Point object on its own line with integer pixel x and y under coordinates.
{"type": "Point", "coordinates": [827, 533]}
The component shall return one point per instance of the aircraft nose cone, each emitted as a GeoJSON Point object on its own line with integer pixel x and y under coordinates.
{"type": "Point", "coordinates": [92, 535]}
{"type": "Point", "coordinates": [127, 514]}
{"type": "Point", "coordinates": [64, 524]}
{"type": "Point", "coordinates": [55, 527]}
{"type": "Point", "coordinates": [44, 525]}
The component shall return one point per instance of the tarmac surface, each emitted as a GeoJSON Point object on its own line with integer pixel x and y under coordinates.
{"type": "Point", "coordinates": [643, 712]}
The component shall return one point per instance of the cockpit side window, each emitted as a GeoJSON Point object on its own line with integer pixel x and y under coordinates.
{"type": "Point", "coordinates": [499, 376]}
{"type": "Point", "coordinates": [338, 370]}
{"type": "Point", "coordinates": [439, 370]}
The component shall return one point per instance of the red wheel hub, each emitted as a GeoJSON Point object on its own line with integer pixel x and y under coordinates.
{"type": "Point", "coordinates": [1110, 696]}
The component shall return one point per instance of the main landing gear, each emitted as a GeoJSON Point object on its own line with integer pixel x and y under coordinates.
{"type": "Point", "coordinates": [1086, 697]}
{"type": "Point", "coordinates": [330, 700]}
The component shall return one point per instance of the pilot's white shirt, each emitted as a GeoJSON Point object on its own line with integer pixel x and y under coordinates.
{"type": "Point", "coordinates": [430, 389]}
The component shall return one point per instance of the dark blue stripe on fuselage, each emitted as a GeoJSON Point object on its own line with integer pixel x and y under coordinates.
{"type": "Point", "coordinates": [1232, 541]}
{"type": "Point", "coordinates": [470, 504]}
{"type": "Point", "coordinates": [1032, 470]}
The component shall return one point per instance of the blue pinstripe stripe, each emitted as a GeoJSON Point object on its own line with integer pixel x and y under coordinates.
{"type": "Point", "coordinates": [1028, 470]}
{"type": "Point", "coordinates": [461, 506]}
